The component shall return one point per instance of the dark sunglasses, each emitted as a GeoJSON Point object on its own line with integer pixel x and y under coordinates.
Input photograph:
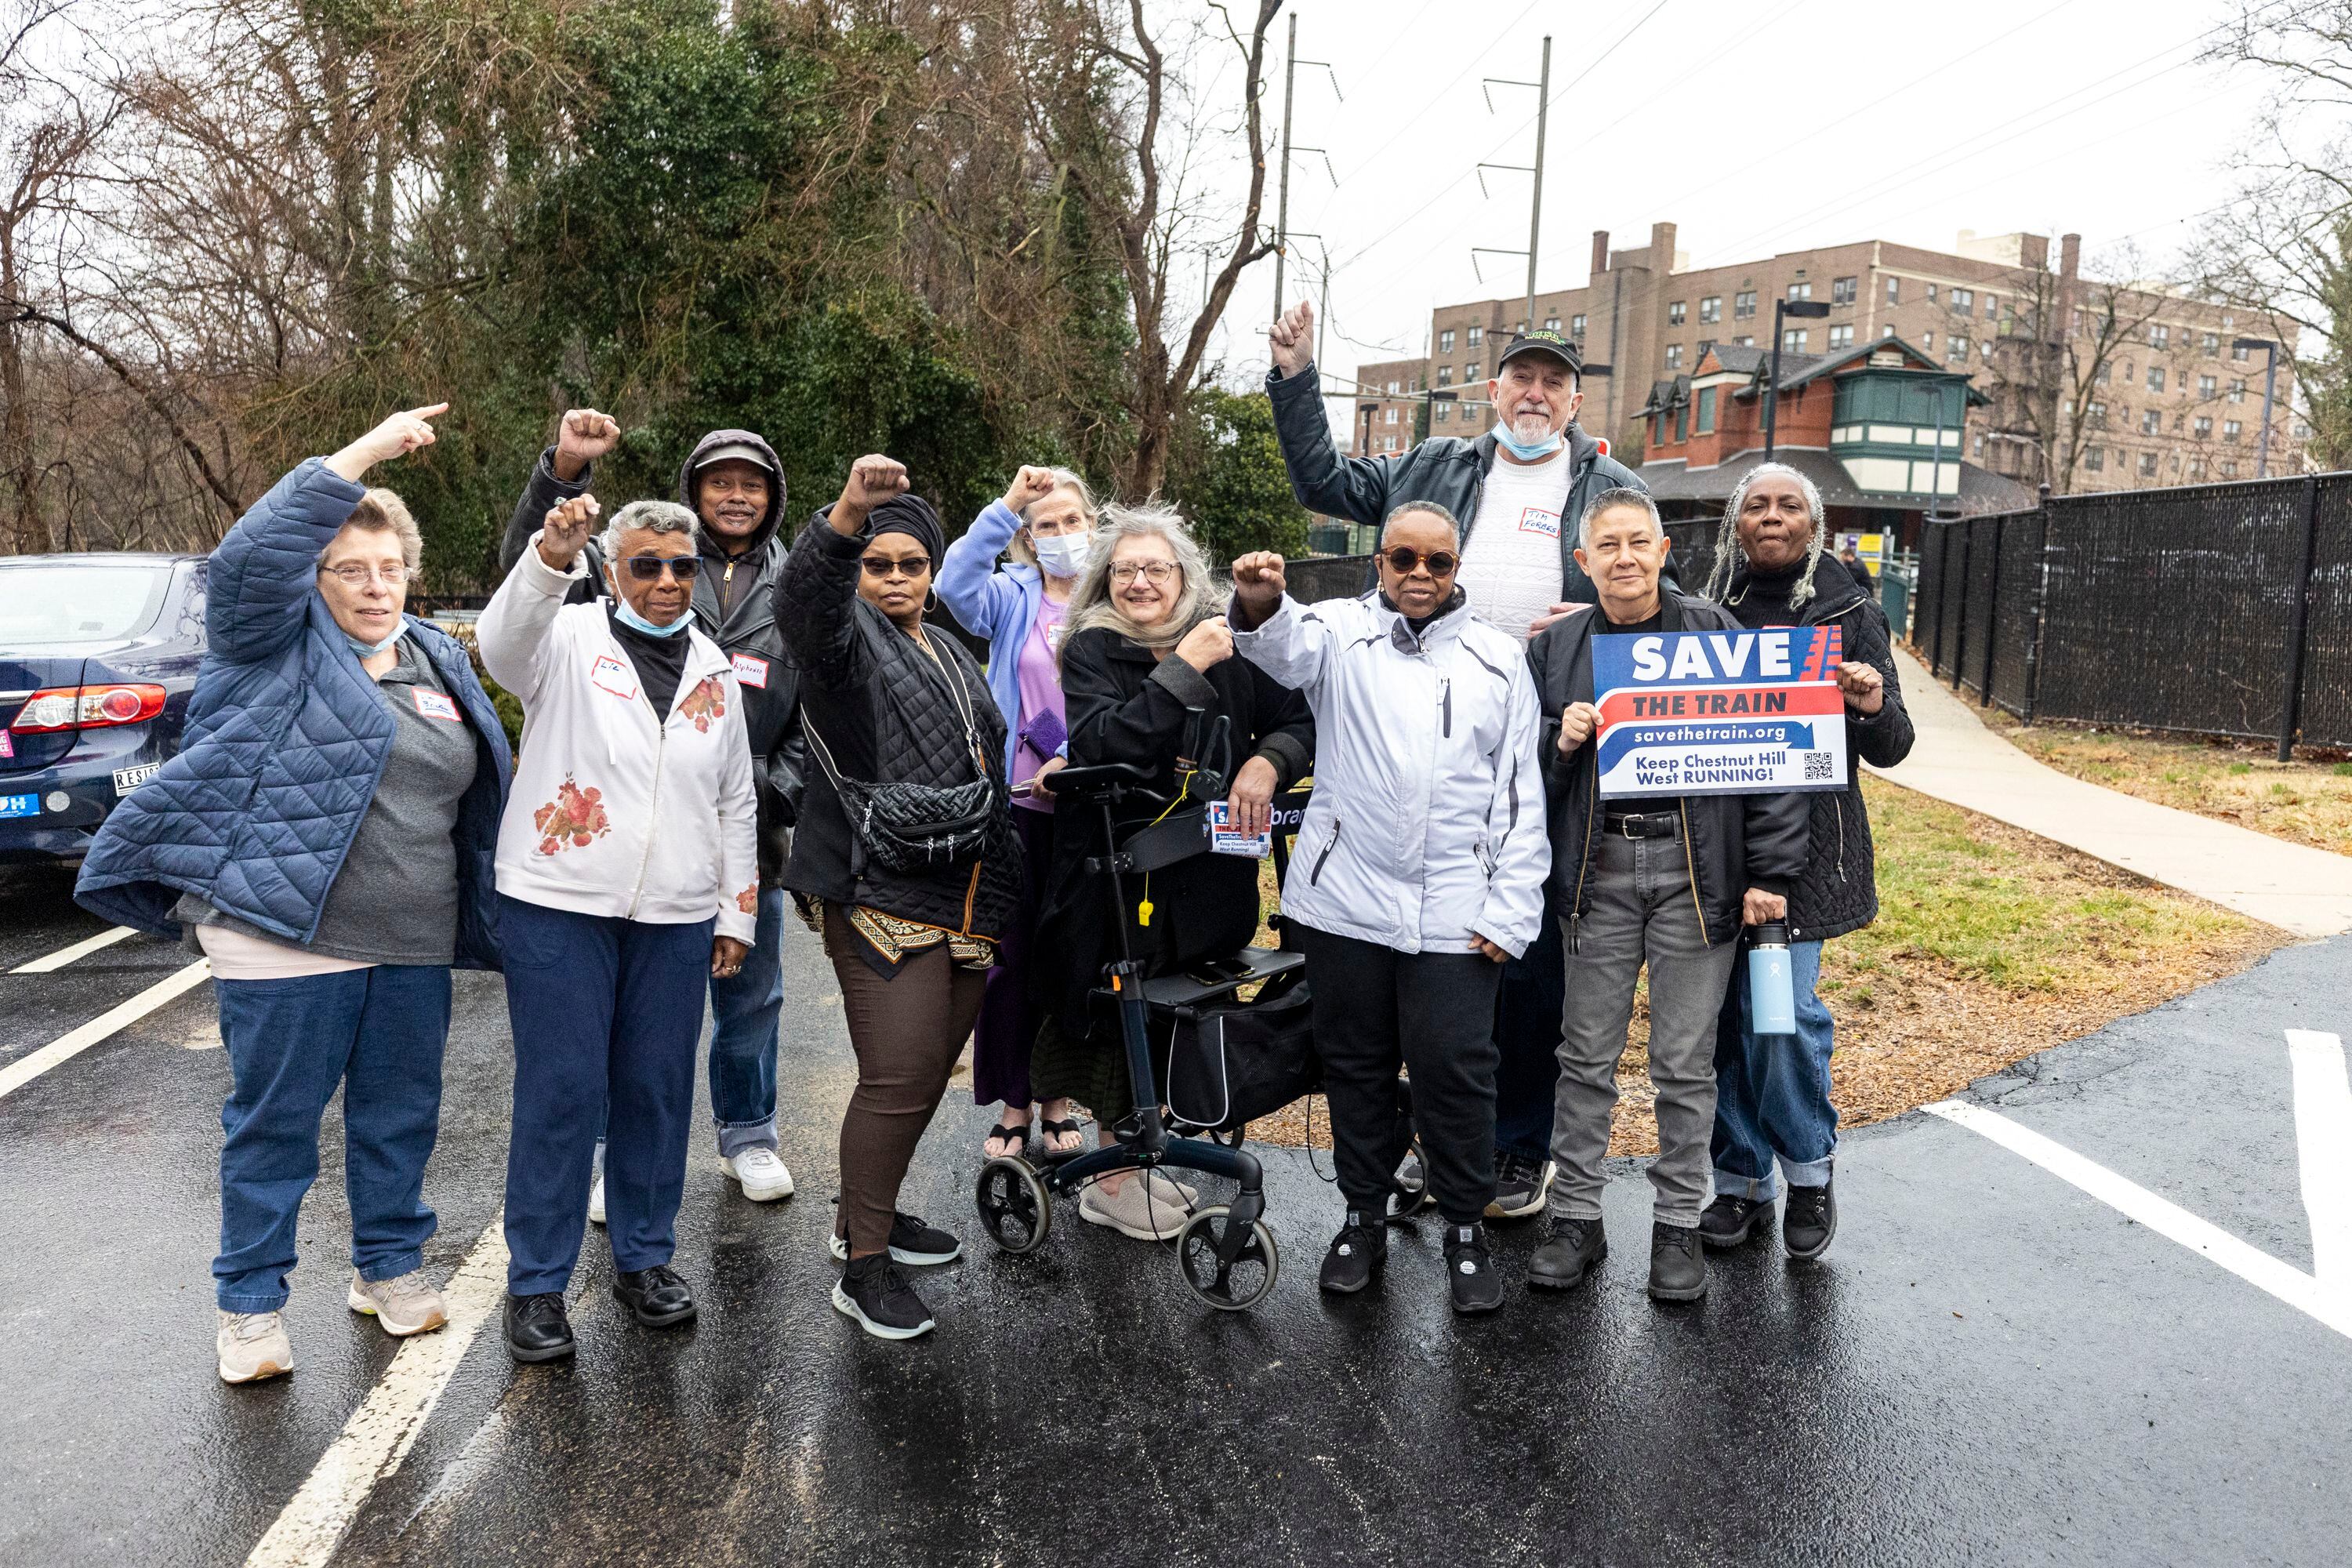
{"type": "Point", "coordinates": [1401, 561]}
{"type": "Point", "coordinates": [646, 568]}
{"type": "Point", "coordinates": [884, 565]}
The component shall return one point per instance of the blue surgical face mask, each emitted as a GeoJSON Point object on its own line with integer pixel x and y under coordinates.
{"type": "Point", "coordinates": [1062, 556]}
{"type": "Point", "coordinates": [1528, 451]}
{"type": "Point", "coordinates": [637, 623]}
{"type": "Point", "coordinates": [370, 649]}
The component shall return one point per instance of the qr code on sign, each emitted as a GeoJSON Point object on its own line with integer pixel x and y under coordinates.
{"type": "Point", "coordinates": [1817, 767]}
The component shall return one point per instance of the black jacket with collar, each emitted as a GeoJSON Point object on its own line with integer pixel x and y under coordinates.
{"type": "Point", "coordinates": [771, 682]}
{"type": "Point", "coordinates": [870, 692]}
{"type": "Point", "coordinates": [1839, 890]}
{"type": "Point", "coordinates": [1735, 842]}
{"type": "Point", "coordinates": [1124, 706]}
{"type": "Point", "coordinates": [1444, 469]}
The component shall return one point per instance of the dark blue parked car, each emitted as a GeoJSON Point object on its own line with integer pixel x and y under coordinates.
{"type": "Point", "coordinates": [97, 656]}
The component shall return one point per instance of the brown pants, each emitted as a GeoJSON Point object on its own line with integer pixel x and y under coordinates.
{"type": "Point", "coordinates": [908, 1031]}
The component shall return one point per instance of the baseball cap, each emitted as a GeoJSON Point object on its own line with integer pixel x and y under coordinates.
{"type": "Point", "coordinates": [1543, 340]}
{"type": "Point", "coordinates": [732, 452]}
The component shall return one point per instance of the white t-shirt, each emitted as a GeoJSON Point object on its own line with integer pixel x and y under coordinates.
{"type": "Point", "coordinates": [1510, 569]}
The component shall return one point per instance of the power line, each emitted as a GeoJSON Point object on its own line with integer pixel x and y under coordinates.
{"type": "Point", "coordinates": [1411, 123]}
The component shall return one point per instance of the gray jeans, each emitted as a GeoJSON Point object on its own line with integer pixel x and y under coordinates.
{"type": "Point", "coordinates": [1640, 908]}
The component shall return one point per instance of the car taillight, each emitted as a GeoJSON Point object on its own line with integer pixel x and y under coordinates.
{"type": "Point", "coordinates": [88, 706]}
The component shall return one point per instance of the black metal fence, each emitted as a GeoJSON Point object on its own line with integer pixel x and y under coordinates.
{"type": "Point", "coordinates": [2211, 609]}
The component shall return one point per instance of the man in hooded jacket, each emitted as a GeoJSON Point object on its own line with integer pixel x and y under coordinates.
{"type": "Point", "coordinates": [735, 486]}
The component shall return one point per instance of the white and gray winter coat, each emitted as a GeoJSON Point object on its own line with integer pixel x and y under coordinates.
{"type": "Point", "coordinates": [1427, 823]}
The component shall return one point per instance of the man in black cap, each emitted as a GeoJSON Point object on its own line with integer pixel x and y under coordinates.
{"type": "Point", "coordinates": [735, 486]}
{"type": "Point", "coordinates": [1511, 488]}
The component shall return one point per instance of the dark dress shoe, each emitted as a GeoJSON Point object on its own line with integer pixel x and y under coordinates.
{"type": "Point", "coordinates": [538, 1328]}
{"type": "Point", "coordinates": [655, 1296]}
{"type": "Point", "coordinates": [1729, 1221]}
{"type": "Point", "coordinates": [1677, 1263]}
{"type": "Point", "coordinates": [1566, 1260]}
{"type": "Point", "coordinates": [1809, 1221]}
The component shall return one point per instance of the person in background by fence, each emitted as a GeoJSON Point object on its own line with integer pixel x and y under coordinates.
{"type": "Point", "coordinates": [1044, 522]}
{"type": "Point", "coordinates": [1773, 1092]}
{"type": "Point", "coordinates": [1510, 488]}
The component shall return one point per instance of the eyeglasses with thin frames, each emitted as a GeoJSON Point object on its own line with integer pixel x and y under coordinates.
{"type": "Point", "coordinates": [1158, 574]}
{"type": "Point", "coordinates": [356, 574]}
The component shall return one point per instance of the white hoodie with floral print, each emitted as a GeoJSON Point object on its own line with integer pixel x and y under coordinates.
{"type": "Point", "coordinates": [617, 809]}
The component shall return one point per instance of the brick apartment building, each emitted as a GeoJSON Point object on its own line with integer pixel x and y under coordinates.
{"type": "Point", "coordinates": [2166, 399]}
{"type": "Point", "coordinates": [1386, 405]}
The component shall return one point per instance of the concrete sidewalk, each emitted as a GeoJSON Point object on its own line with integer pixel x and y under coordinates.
{"type": "Point", "coordinates": [2305, 890]}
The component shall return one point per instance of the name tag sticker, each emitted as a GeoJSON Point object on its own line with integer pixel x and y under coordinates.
{"type": "Point", "coordinates": [1535, 519]}
{"type": "Point", "coordinates": [614, 675]}
{"type": "Point", "coordinates": [431, 704]}
{"type": "Point", "coordinates": [751, 670]}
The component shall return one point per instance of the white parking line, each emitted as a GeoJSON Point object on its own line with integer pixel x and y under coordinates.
{"type": "Point", "coordinates": [2311, 1297]}
{"type": "Point", "coordinates": [2323, 1137]}
{"type": "Point", "coordinates": [379, 1435]}
{"type": "Point", "coordinates": [17, 1074]}
{"type": "Point", "coordinates": [82, 949]}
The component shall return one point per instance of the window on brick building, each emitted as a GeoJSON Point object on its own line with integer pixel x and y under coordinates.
{"type": "Point", "coordinates": [1992, 307]}
{"type": "Point", "coordinates": [2096, 415]}
{"type": "Point", "coordinates": [1391, 389]}
{"type": "Point", "coordinates": [2240, 355]}
{"type": "Point", "coordinates": [1576, 328]}
{"type": "Point", "coordinates": [2232, 429]}
{"type": "Point", "coordinates": [1705, 410]}
{"type": "Point", "coordinates": [2147, 465]}
{"type": "Point", "coordinates": [1793, 339]}
{"type": "Point", "coordinates": [2094, 460]}
{"type": "Point", "coordinates": [2158, 334]}
{"type": "Point", "coordinates": [1445, 375]}
{"type": "Point", "coordinates": [1743, 304]}
{"type": "Point", "coordinates": [1842, 337]}
{"type": "Point", "coordinates": [1743, 343]}
{"type": "Point", "coordinates": [1886, 332]}
{"type": "Point", "coordinates": [2205, 385]}
{"type": "Point", "coordinates": [1699, 353]}
{"type": "Point", "coordinates": [1445, 341]}
{"type": "Point", "coordinates": [1390, 417]}
{"type": "Point", "coordinates": [1979, 449]}
{"type": "Point", "coordinates": [1711, 309]}
{"type": "Point", "coordinates": [2155, 378]}
{"type": "Point", "coordinates": [1470, 372]}
{"type": "Point", "coordinates": [1799, 291]}
{"type": "Point", "coordinates": [1675, 313]}
{"type": "Point", "coordinates": [1475, 336]}
{"type": "Point", "coordinates": [2237, 391]}
{"type": "Point", "coordinates": [2151, 421]}
{"type": "Point", "coordinates": [1963, 302]}
{"type": "Point", "coordinates": [1842, 291]}
{"type": "Point", "coordinates": [1895, 290]}
{"type": "Point", "coordinates": [1955, 350]}
{"type": "Point", "coordinates": [2196, 468]}
{"type": "Point", "coordinates": [1442, 412]}
{"type": "Point", "coordinates": [2228, 467]}
{"type": "Point", "coordinates": [1673, 356]}
{"type": "Point", "coordinates": [2204, 427]}
{"type": "Point", "coordinates": [2209, 343]}
{"type": "Point", "coordinates": [1931, 293]}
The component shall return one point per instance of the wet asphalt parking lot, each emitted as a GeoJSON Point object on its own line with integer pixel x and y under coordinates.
{"type": "Point", "coordinates": [1992, 1364]}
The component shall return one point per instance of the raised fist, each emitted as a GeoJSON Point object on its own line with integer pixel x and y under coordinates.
{"type": "Point", "coordinates": [873, 479]}
{"type": "Point", "coordinates": [565, 533]}
{"type": "Point", "coordinates": [582, 438]}
{"type": "Point", "coordinates": [1258, 585]}
{"type": "Point", "coordinates": [1293, 337]}
{"type": "Point", "coordinates": [1029, 487]}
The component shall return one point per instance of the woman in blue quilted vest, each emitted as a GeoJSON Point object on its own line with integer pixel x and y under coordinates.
{"type": "Point", "coordinates": [325, 835]}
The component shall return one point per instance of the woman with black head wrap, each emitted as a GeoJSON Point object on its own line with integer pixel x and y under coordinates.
{"type": "Point", "coordinates": [904, 860]}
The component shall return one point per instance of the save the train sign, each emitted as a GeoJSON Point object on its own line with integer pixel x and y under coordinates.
{"type": "Point", "coordinates": [1719, 712]}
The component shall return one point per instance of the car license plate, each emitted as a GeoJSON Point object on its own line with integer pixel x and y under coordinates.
{"type": "Point", "coordinates": [20, 806]}
{"type": "Point", "coordinates": [128, 779]}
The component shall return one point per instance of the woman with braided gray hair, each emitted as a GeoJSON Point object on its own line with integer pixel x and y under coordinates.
{"type": "Point", "coordinates": [1773, 1092]}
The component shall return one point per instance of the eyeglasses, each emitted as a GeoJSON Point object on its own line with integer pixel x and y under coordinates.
{"type": "Point", "coordinates": [1159, 573]}
{"type": "Point", "coordinates": [646, 568]}
{"type": "Point", "coordinates": [902, 565]}
{"type": "Point", "coordinates": [356, 574]}
{"type": "Point", "coordinates": [1441, 562]}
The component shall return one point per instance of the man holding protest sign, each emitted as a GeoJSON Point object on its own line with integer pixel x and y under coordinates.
{"type": "Point", "coordinates": [1773, 1092]}
{"type": "Point", "coordinates": [1660, 863]}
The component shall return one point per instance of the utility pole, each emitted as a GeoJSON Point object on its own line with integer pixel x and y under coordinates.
{"type": "Point", "coordinates": [1282, 203]}
{"type": "Point", "coordinates": [1535, 211]}
{"type": "Point", "coordinates": [2270, 380]}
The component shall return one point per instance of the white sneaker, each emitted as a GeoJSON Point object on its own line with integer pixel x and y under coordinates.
{"type": "Point", "coordinates": [1148, 1207]}
{"type": "Point", "coordinates": [597, 1202]}
{"type": "Point", "coordinates": [252, 1346]}
{"type": "Point", "coordinates": [406, 1305]}
{"type": "Point", "coordinates": [762, 1174]}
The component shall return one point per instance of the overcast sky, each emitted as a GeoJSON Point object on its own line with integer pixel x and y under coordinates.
{"type": "Point", "coordinates": [1757, 126]}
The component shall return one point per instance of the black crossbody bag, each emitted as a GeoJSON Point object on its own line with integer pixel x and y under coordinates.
{"type": "Point", "coordinates": [912, 829]}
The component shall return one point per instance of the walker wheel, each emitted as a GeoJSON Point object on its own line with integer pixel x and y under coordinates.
{"type": "Point", "coordinates": [1230, 1287]}
{"type": "Point", "coordinates": [1014, 1208]}
{"type": "Point", "coordinates": [1409, 1186]}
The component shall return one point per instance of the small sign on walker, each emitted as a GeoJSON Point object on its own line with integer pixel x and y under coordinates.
{"type": "Point", "coordinates": [1748, 712]}
{"type": "Point", "coordinates": [1226, 840]}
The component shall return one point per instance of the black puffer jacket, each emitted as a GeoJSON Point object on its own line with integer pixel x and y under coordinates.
{"type": "Point", "coordinates": [748, 634]}
{"type": "Point", "coordinates": [1839, 892]}
{"type": "Point", "coordinates": [1736, 841]}
{"type": "Point", "coordinates": [890, 714]}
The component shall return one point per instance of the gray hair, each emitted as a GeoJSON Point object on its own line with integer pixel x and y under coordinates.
{"type": "Point", "coordinates": [1406, 508]}
{"type": "Point", "coordinates": [1727, 538]}
{"type": "Point", "coordinates": [647, 517]}
{"type": "Point", "coordinates": [1623, 495]}
{"type": "Point", "coordinates": [1064, 479]}
{"type": "Point", "coordinates": [1091, 604]}
{"type": "Point", "coordinates": [382, 511]}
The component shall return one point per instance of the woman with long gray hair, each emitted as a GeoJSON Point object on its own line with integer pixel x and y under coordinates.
{"type": "Point", "coordinates": [627, 874]}
{"type": "Point", "coordinates": [1773, 1092]}
{"type": "Point", "coordinates": [1147, 644]}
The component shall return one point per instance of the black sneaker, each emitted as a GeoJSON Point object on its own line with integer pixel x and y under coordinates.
{"type": "Point", "coordinates": [1808, 1222]}
{"type": "Point", "coordinates": [1522, 1186]}
{"type": "Point", "coordinates": [1729, 1221]}
{"type": "Point", "coordinates": [871, 1290]}
{"type": "Point", "coordinates": [1677, 1263]}
{"type": "Point", "coordinates": [911, 1241]}
{"type": "Point", "coordinates": [655, 1296]}
{"type": "Point", "coordinates": [1357, 1253]}
{"type": "Point", "coordinates": [538, 1328]}
{"type": "Point", "coordinates": [1575, 1248]}
{"type": "Point", "coordinates": [1470, 1269]}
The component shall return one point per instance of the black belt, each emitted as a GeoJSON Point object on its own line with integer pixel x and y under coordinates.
{"type": "Point", "coordinates": [1655, 824]}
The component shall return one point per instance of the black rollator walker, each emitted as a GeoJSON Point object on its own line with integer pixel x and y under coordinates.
{"type": "Point", "coordinates": [1224, 1251]}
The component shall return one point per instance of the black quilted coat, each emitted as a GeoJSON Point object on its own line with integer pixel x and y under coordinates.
{"type": "Point", "coordinates": [886, 711]}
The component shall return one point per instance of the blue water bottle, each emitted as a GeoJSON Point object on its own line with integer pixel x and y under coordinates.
{"type": "Point", "coordinates": [1771, 990]}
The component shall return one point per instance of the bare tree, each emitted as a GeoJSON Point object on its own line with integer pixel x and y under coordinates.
{"type": "Point", "coordinates": [2067, 360]}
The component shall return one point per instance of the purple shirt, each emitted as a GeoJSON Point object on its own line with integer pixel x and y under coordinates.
{"type": "Point", "coordinates": [1041, 690]}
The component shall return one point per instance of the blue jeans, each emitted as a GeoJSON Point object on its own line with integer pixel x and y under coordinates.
{"type": "Point", "coordinates": [1773, 1092]}
{"type": "Point", "coordinates": [377, 1032]}
{"type": "Point", "coordinates": [744, 1008]}
{"type": "Point", "coordinates": [605, 1013]}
